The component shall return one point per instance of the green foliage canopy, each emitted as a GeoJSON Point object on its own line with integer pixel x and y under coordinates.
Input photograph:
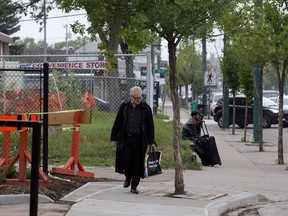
{"type": "Point", "coordinates": [189, 66]}
{"type": "Point", "coordinates": [114, 21]}
{"type": "Point", "coordinates": [9, 18]}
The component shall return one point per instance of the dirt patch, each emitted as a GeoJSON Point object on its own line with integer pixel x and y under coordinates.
{"type": "Point", "coordinates": [60, 185]}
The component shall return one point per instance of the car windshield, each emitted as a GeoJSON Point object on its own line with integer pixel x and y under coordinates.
{"type": "Point", "coordinates": [270, 94]}
{"type": "Point", "coordinates": [217, 97]}
{"type": "Point", "coordinates": [268, 103]}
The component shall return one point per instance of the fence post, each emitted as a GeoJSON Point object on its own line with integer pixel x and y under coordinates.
{"type": "Point", "coordinates": [36, 140]}
{"type": "Point", "coordinates": [45, 116]}
{"type": "Point", "coordinates": [36, 135]}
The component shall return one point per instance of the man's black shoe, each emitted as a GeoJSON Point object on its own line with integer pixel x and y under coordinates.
{"type": "Point", "coordinates": [135, 191]}
{"type": "Point", "coordinates": [127, 183]}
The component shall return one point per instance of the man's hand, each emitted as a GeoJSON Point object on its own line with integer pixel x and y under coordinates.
{"type": "Point", "coordinates": [114, 143]}
{"type": "Point", "coordinates": [153, 145]}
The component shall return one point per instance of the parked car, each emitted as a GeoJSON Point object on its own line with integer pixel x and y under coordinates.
{"type": "Point", "coordinates": [285, 101]}
{"type": "Point", "coordinates": [270, 112]}
{"type": "Point", "coordinates": [189, 96]}
{"type": "Point", "coordinates": [215, 97]}
{"type": "Point", "coordinates": [271, 94]}
{"type": "Point", "coordinates": [102, 105]}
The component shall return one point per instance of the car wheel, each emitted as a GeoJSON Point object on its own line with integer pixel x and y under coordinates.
{"type": "Point", "coordinates": [220, 121]}
{"type": "Point", "coordinates": [266, 121]}
{"type": "Point", "coordinates": [241, 125]}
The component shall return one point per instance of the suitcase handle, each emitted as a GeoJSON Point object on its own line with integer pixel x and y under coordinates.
{"type": "Point", "coordinates": [204, 128]}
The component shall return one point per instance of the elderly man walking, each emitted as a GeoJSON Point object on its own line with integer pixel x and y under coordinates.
{"type": "Point", "coordinates": [132, 131]}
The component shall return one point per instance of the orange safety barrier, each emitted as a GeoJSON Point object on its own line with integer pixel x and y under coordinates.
{"type": "Point", "coordinates": [7, 132]}
{"type": "Point", "coordinates": [5, 148]}
{"type": "Point", "coordinates": [23, 154]}
{"type": "Point", "coordinates": [32, 117]}
{"type": "Point", "coordinates": [70, 168]}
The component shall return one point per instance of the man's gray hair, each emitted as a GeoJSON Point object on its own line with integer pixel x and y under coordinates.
{"type": "Point", "coordinates": [135, 89]}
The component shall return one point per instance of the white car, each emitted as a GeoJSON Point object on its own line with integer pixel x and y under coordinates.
{"type": "Point", "coordinates": [215, 97]}
{"type": "Point", "coordinates": [271, 94]}
{"type": "Point", "coordinates": [189, 98]}
{"type": "Point", "coordinates": [285, 101]}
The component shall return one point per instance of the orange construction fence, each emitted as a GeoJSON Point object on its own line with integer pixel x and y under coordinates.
{"type": "Point", "coordinates": [72, 167]}
{"type": "Point", "coordinates": [23, 154]}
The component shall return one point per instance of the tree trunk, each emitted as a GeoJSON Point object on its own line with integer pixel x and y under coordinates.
{"type": "Point", "coordinates": [186, 98]}
{"type": "Point", "coordinates": [234, 114]}
{"type": "Point", "coordinates": [281, 81]}
{"type": "Point", "coordinates": [261, 110]}
{"type": "Point", "coordinates": [179, 178]}
{"type": "Point", "coordinates": [128, 60]}
{"type": "Point", "coordinates": [112, 44]}
{"type": "Point", "coordinates": [245, 122]}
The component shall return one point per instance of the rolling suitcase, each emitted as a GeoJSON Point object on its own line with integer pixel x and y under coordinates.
{"type": "Point", "coordinates": [206, 149]}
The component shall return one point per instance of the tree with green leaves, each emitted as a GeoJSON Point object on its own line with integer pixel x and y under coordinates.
{"type": "Point", "coordinates": [244, 62]}
{"type": "Point", "coordinates": [270, 78]}
{"type": "Point", "coordinates": [266, 41]}
{"type": "Point", "coordinates": [116, 23]}
{"type": "Point", "coordinates": [273, 34]}
{"type": "Point", "coordinates": [174, 21]}
{"type": "Point", "coordinates": [137, 22]}
{"type": "Point", "coordinates": [26, 44]}
{"type": "Point", "coordinates": [246, 86]}
{"type": "Point", "coordinates": [9, 18]}
{"type": "Point", "coordinates": [76, 44]}
{"type": "Point", "coordinates": [189, 68]}
{"type": "Point", "coordinates": [231, 73]}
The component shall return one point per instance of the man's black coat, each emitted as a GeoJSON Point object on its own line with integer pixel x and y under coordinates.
{"type": "Point", "coordinates": [191, 130]}
{"type": "Point", "coordinates": [118, 133]}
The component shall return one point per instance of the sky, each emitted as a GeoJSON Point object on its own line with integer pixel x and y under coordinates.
{"type": "Point", "coordinates": [56, 26]}
{"type": "Point", "coordinates": [56, 31]}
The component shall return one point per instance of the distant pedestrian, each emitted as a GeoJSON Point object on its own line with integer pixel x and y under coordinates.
{"type": "Point", "coordinates": [132, 131]}
{"type": "Point", "coordinates": [192, 128]}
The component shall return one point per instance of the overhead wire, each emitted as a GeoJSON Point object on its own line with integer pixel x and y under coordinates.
{"type": "Point", "coordinates": [54, 17]}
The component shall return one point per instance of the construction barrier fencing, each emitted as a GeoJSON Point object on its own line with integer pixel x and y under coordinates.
{"type": "Point", "coordinates": [75, 83]}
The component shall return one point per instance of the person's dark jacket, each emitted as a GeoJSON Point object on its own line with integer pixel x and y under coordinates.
{"type": "Point", "coordinates": [191, 130]}
{"type": "Point", "coordinates": [118, 133]}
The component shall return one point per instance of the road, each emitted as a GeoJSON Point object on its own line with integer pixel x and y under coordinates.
{"type": "Point", "coordinates": [270, 135]}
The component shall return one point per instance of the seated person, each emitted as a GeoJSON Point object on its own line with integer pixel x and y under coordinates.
{"type": "Point", "coordinates": [192, 128]}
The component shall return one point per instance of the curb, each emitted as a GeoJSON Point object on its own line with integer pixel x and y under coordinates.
{"type": "Point", "coordinates": [22, 199]}
{"type": "Point", "coordinates": [231, 203]}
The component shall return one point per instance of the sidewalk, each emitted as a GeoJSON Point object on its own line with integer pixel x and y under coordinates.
{"type": "Point", "coordinates": [246, 177]}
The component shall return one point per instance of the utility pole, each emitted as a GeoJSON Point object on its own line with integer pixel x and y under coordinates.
{"type": "Point", "coordinates": [45, 28]}
{"type": "Point", "coordinates": [257, 93]}
{"type": "Point", "coordinates": [204, 70]}
{"type": "Point", "coordinates": [66, 38]}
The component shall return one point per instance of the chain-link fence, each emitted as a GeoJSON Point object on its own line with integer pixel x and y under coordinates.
{"type": "Point", "coordinates": [75, 82]}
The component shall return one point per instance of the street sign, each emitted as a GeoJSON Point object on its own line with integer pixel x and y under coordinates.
{"type": "Point", "coordinates": [161, 71]}
{"type": "Point", "coordinates": [210, 79]}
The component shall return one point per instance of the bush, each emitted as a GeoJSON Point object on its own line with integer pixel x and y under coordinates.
{"type": "Point", "coordinates": [12, 174]}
